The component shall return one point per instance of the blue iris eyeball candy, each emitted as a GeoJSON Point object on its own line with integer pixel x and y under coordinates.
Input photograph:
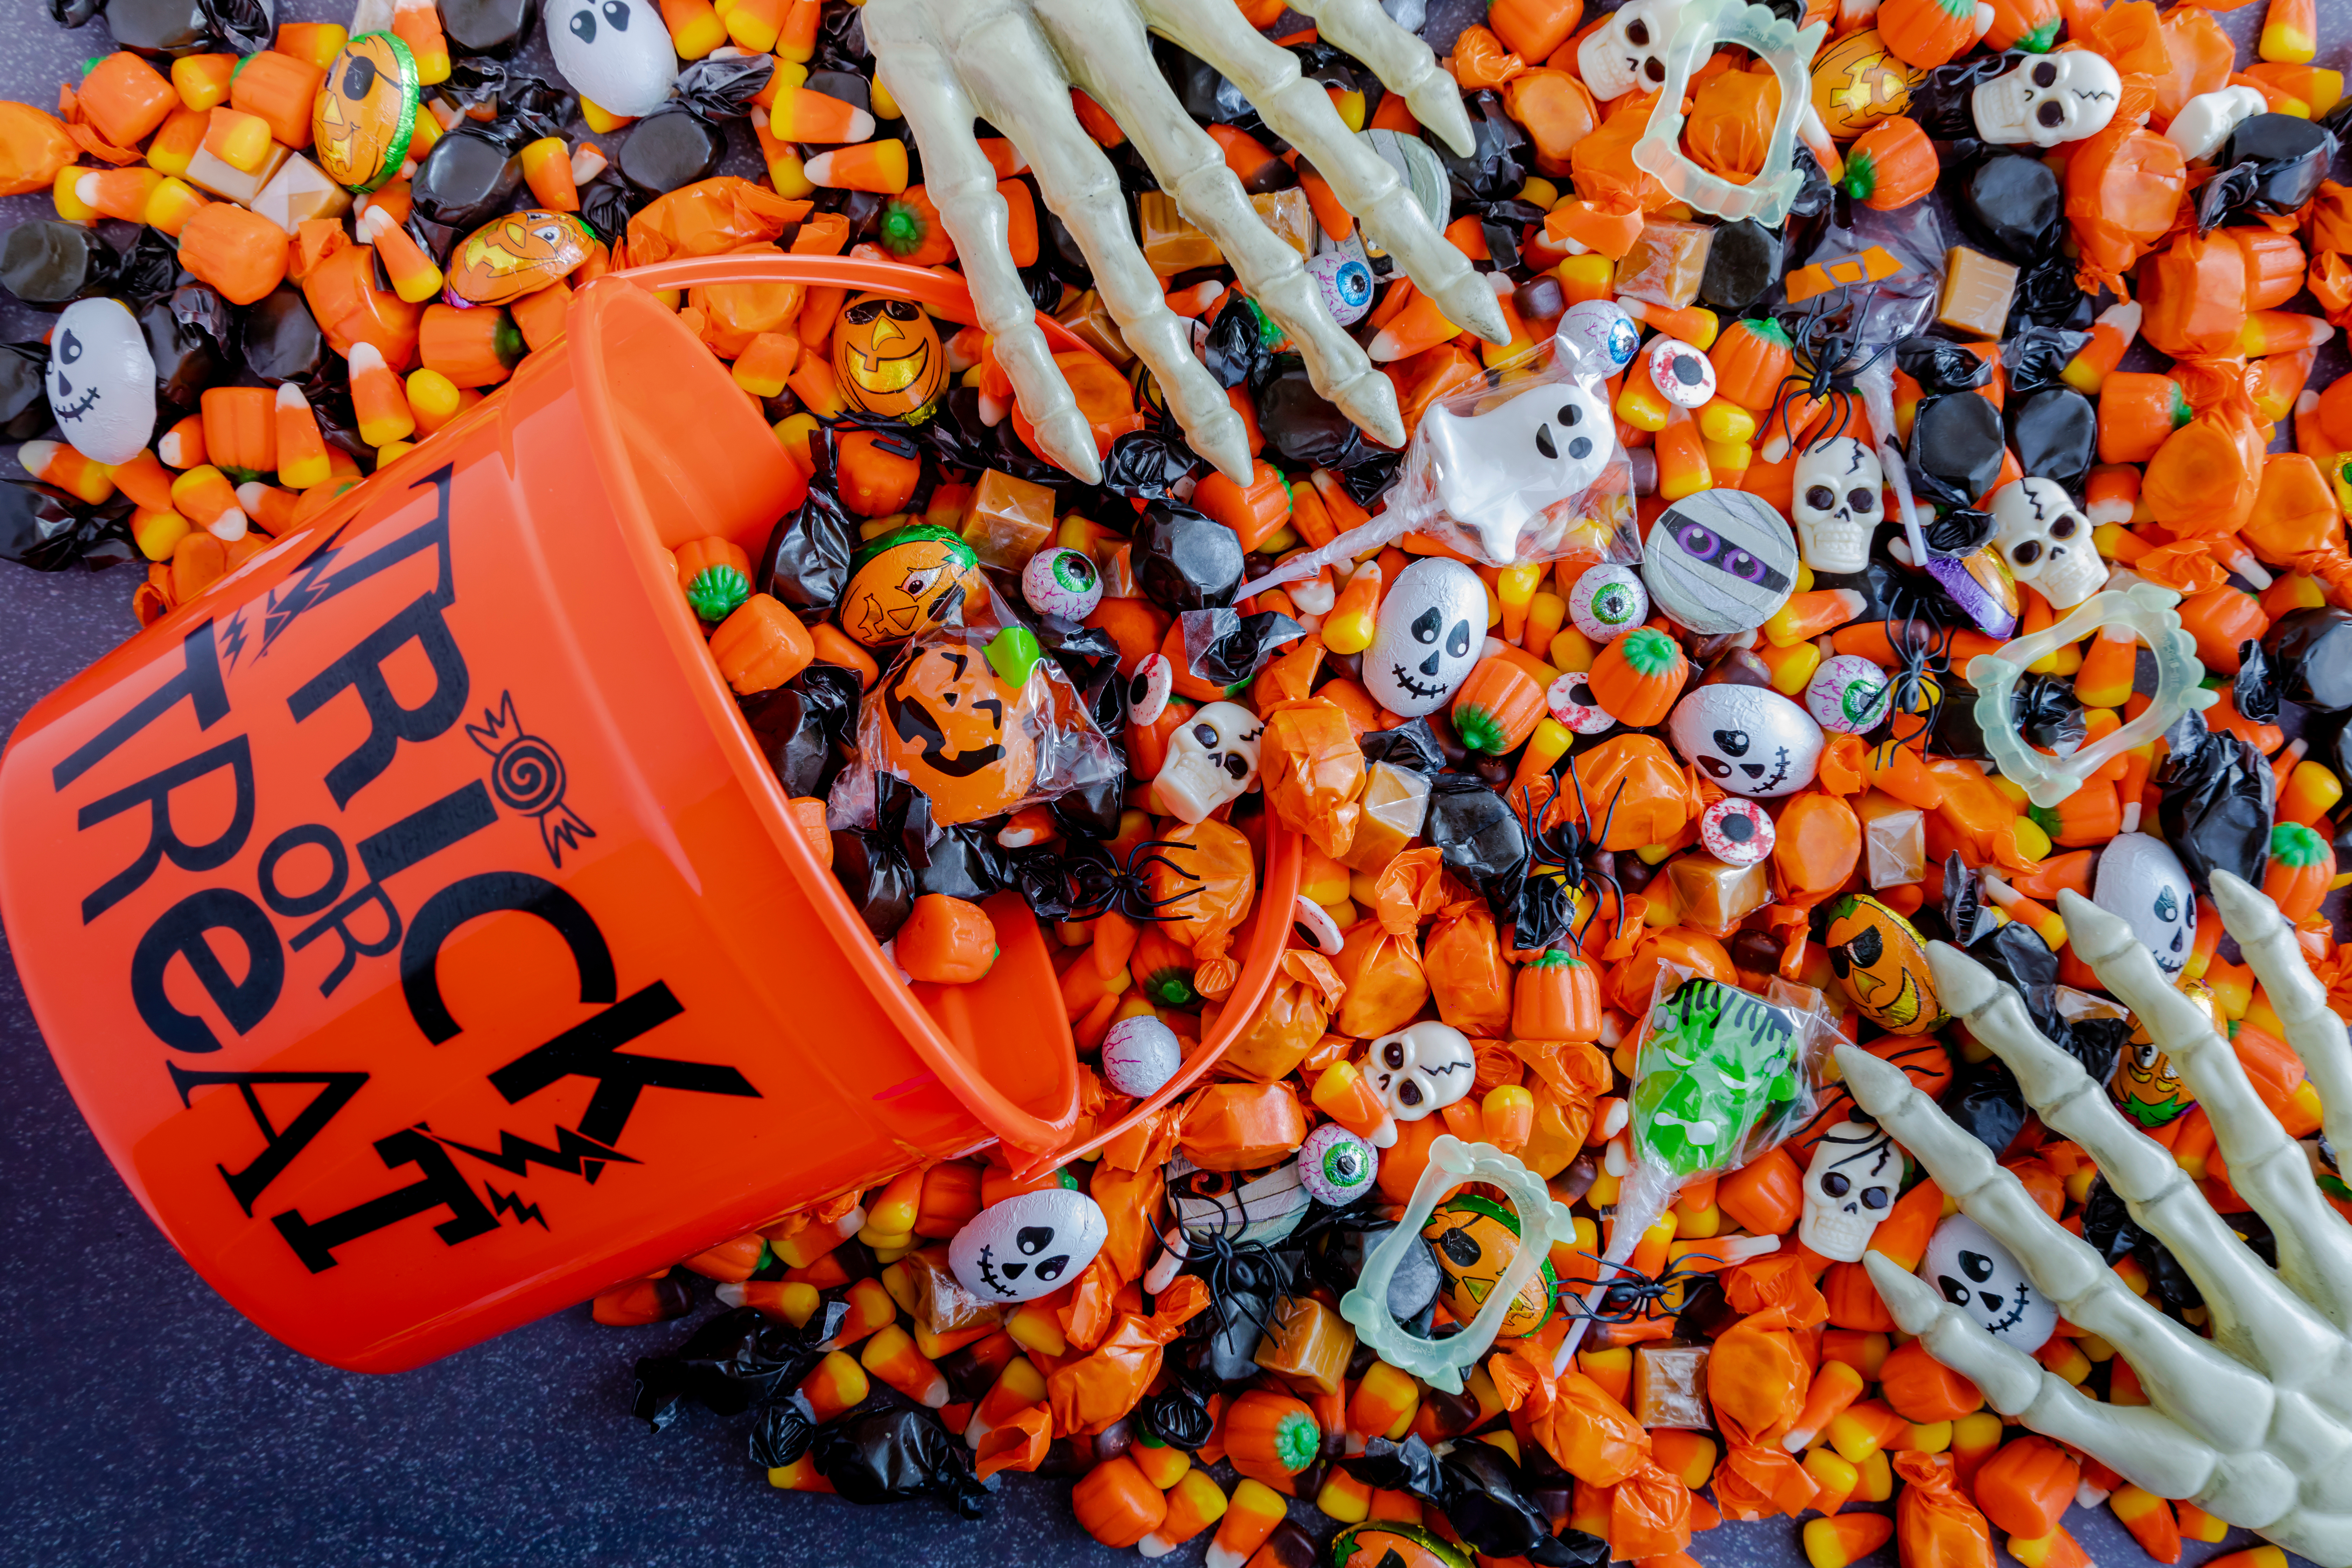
{"type": "Point", "coordinates": [1345, 283]}
{"type": "Point", "coordinates": [1602, 333]}
{"type": "Point", "coordinates": [1139, 1055]}
{"type": "Point", "coordinates": [1335, 1166]}
{"type": "Point", "coordinates": [1607, 602]}
{"type": "Point", "coordinates": [1849, 694]}
{"type": "Point", "coordinates": [1062, 582]}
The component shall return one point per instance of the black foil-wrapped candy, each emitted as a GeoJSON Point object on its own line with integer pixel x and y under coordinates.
{"type": "Point", "coordinates": [24, 393]}
{"type": "Point", "coordinates": [802, 725]}
{"type": "Point", "coordinates": [472, 175]}
{"type": "Point", "coordinates": [2313, 650]}
{"type": "Point", "coordinates": [1479, 838]}
{"type": "Point", "coordinates": [1302, 427]}
{"type": "Point", "coordinates": [2055, 434]}
{"type": "Point", "coordinates": [1955, 449]}
{"type": "Point", "coordinates": [806, 563]}
{"type": "Point", "coordinates": [280, 341]}
{"type": "Point", "coordinates": [492, 28]}
{"type": "Point", "coordinates": [733, 1362]}
{"type": "Point", "coordinates": [1182, 560]}
{"type": "Point", "coordinates": [2216, 801]}
{"type": "Point", "coordinates": [895, 1456]}
{"type": "Point", "coordinates": [1743, 262]}
{"type": "Point", "coordinates": [685, 139]}
{"type": "Point", "coordinates": [49, 530]}
{"type": "Point", "coordinates": [2012, 202]}
{"type": "Point", "coordinates": [188, 333]}
{"type": "Point", "coordinates": [45, 262]}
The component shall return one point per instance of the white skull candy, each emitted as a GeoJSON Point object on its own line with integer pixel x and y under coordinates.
{"type": "Point", "coordinates": [2046, 540]}
{"type": "Point", "coordinates": [1626, 54]}
{"type": "Point", "coordinates": [1212, 759]}
{"type": "Point", "coordinates": [616, 53]}
{"type": "Point", "coordinates": [2048, 99]}
{"type": "Point", "coordinates": [1849, 1187]}
{"type": "Point", "coordinates": [1419, 1069]}
{"type": "Point", "coordinates": [2206, 120]}
{"type": "Point", "coordinates": [1835, 498]}
{"type": "Point", "coordinates": [1496, 470]}
{"type": "Point", "coordinates": [1432, 629]}
{"type": "Point", "coordinates": [1749, 739]}
{"type": "Point", "coordinates": [1979, 1276]}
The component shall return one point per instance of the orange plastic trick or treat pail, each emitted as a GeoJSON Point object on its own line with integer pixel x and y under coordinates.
{"type": "Point", "coordinates": [416, 923]}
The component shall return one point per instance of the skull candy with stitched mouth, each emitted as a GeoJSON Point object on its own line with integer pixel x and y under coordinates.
{"type": "Point", "coordinates": [1028, 1245]}
{"type": "Point", "coordinates": [1421, 1068]}
{"type": "Point", "coordinates": [2048, 99]}
{"type": "Point", "coordinates": [2142, 881]}
{"type": "Point", "coordinates": [2046, 539]}
{"type": "Point", "coordinates": [1627, 53]}
{"type": "Point", "coordinates": [1979, 1276]}
{"type": "Point", "coordinates": [1835, 500]}
{"type": "Point", "coordinates": [1212, 759]}
{"type": "Point", "coordinates": [1748, 739]}
{"type": "Point", "coordinates": [102, 380]}
{"type": "Point", "coordinates": [1432, 627]}
{"type": "Point", "coordinates": [1849, 1187]}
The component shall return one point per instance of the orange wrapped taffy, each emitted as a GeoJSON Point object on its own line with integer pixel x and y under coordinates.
{"type": "Point", "coordinates": [1758, 1480]}
{"type": "Point", "coordinates": [1242, 1126]}
{"type": "Point", "coordinates": [1412, 887]}
{"type": "Point", "coordinates": [2203, 480]}
{"type": "Point", "coordinates": [2123, 186]}
{"type": "Point", "coordinates": [1590, 1434]}
{"type": "Point", "coordinates": [1730, 120]}
{"type": "Point", "coordinates": [1312, 771]}
{"type": "Point", "coordinates": [1463, 962]}
{"type": "Point", "coordinates": [1208, 878]}
{"type": "Point", "coordinates": [1630, 982]}
{"type": "Point", "coordinates": [1636, 777]}
{"type": "Point", "coordinates": [1818, 846]}
{"type": "Point", "coordinates": [1935, 1526]}
{"type": "Point", "coordinates": [34, 147]}
{"type": "Point", "coordinates": [710, 217]}
{"type": "Point", "coordinates": [1018, 1442]}
{"type": "Point", "coordinates": [1757, 1377]}
{"type": "Point", "coordinates": [1385, 979]}
{"type": "Point", "coordinates": [1128, 1201]}
{"type": "Point", "coordinates": [1557, 111]}
{"type": "Point", "coordinates": [1612, 193]}
{"type": "Point", "coordinates": [1649, 1514]}
{"type": "Point", "coordinates": [2295, 511]}
{"type": "Point", "coordinates": [1089, 1394]}
{"type": "Point", "coordinates": [1296, 1010]}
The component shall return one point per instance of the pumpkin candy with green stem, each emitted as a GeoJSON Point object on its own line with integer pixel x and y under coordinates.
{"type": "Point", "coordinates": [1556, 997]}
{"type": "Point", "coordinates": [1497, 708]}
{"type": "Point", "coordinates": [1637, 677]}
{"type": "Point", "coordinates": [1927, 33]}
{"type": "Point", "coordinates": [911, 230]}
{"type": "Point", "coordinates": [2302, 866]}
{"type": "Point", "coordinates": [1752, 357]}
{"type": "Point", "coordinates": [1893, 166]}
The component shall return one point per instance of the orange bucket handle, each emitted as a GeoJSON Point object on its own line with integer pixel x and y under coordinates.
{"type": "Point", "coordinates": [1044, 1139]}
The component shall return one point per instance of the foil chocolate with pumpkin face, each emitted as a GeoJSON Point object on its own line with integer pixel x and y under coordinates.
{"type": "Point", "coordinates": [516, 255]}
{"type": "Point", "coordinates": [896, 581]}
{"type": "Point", "coordinates": [954, 728]}
{"type": "Point", "coordinates": [365, 113]}
{"type": "Point", "coordinates": [2146, 1087]}
{"type": "Point", "coordinates": [1476, 1240]}
{"type": "Point", "coordinates": [1880, 962]}
{"type": "Point", "coordinates": [887, 358]}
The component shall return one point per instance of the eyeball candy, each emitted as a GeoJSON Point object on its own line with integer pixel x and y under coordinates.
{"type": "Point", "coordinates": [1607, 602]}
{"type": "Point", "coordinates": [1737, 831]}
{"type": "Point", "coordinates": [1748, 739]}
{"type": "Point", "coordinates": [1313, 924]}
{"type": "Point", "coordinates": [1345, 284]}
{"type": "Point", "coordinates": [1849, 694]}
{"type": "Point", "coordinates": [1571, 703]}
{"type": "Point", "coordinates": [102, 380]}
{"type": "Point", "coordinates": [1139, 1055]}
{"type": "Point", "coordinates": [1335, 1166]}
{"type": "Point", "coordinates": [1148, 690]}
{"type": "Point", "coordinates": [1062, 582]}
{"type": "Point", "coordinates": [1027, 1246]}
{"type": "Point", "coordinates": [1601, 333]}
{"type": "Point", "coordinates": [1684, 377]}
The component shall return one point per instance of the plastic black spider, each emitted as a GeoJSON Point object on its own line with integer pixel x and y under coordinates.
{"type": "Point", "coordinates": [1632, 1295]}
{"type": "Point", "coordinates": [1239, 1274]}
{"type": "Point", "coordinates": [1824, 365]}
{"type": "Point", "coordinates": [1558, 861]}
{"type": "Point", "coordinates": [1923, 652]}
{"type": "Point", "coordinates": [1095, 880]}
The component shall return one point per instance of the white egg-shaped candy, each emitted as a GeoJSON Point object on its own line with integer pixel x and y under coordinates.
{"type": "Point", "coordinates": [1062, 582]}
{"type": "Point", "coordinates": [1432, 629]}
{"type": "Point", "coordinates": [614, 53]}
{"type": "Point", "coordinates": [1139, 1055]}
{"type": "Point", "coordinates": [1607, 602]}
{"type": "Point", "coordinates": [1983, 1279]}
{"type": "Point", "coordinates": [1336, 1167]}
{"type": "Point", "coordinates": [102, 380]}
{"type": "Point", "coordinates": [1849, 694]}
{"type": "Point", "coordinates": [1345, 284]}
{"type": "Point", "coordinates": [1030, 1245]}
{"type": "Point", "coordinates": [1748, 739]}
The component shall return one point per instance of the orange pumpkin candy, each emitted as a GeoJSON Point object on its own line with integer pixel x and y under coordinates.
{"type": "Point", "coordinates": [1927, 33]}
{"type": "Point", "coordinates": [516, 255]}
{"type": "Point", "coordinates": [1891, 166]}
{"type": "Point", "coordinates": [954, 730]}
{"type": "Point", "coordinates": [887, 356]}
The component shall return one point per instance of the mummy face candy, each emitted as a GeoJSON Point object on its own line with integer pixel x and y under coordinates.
{"type": "Point", "coordinates": [2141, 880]}
{"type": "Point", "coordinates": [1212, 759]}
{"type": "Point", "coordinates": [1748, 739]}
{"type": "Point", "coordinates": [1720, 561]}
{"type": "Point", "coordinates": [102, 380]}
{"type": "Point", "coordinates": [1835, 497]}
{"type": "Point", "coordinates": [1498, 469]}
{"type": "Point", "coordinates": [1027, 1246]}
{"type": "Point", "coordinates": [1432, 628]}
{"type": "Point", "coordinates": [1979, 1276]}
{"type": "Point", "coordinates": [1849, 1187]}
{"type": "Point", "coordinates": [1419, 1069]}
{"type": "Point", "coordinates": [614, 53]}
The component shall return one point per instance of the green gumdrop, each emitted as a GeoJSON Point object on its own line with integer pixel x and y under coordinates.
{"type": "Point", "coordinates": [1013, 653]}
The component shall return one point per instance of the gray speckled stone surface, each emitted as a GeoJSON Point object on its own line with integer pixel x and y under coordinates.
{"type": "Point", "coordinates": [142, 1420]}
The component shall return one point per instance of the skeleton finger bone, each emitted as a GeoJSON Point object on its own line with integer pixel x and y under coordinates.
{"type": "Point", "coordinates": [1403, 62]}
{"type": "Point", "coordinates": [2316, 1034]}
{"type": "Point", "coordinates": [914, 66]}
{"type": "Point", "coordinates": [2218, 1398]}
{"type": "Point", "coordinates": [1300, 112]}
{"type": "Point", "coordinates": [2266, 1167]}
{"type": "Point", "coordinates": [1112, 59]}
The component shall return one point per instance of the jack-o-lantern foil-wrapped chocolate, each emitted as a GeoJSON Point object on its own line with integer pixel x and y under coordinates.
{"type": "Point", "coordinates": [516, 255]}
{"type": "Point", "coordinates": [887, 357]}
{"type": "Point", "coordinates": [365, 113]}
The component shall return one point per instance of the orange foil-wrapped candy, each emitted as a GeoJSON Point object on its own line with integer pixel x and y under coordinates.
{"type": "Point", "coordinates": [1463, 960]}
{"type": "Point", "coordinates": [1312, 771]}
{"type": "Point", "coordinates": [1091, 1392]}
{"type": "Point", "coordinates": [1935, 1526]}
{"type": "Point", "coordinates": [1242, 1126]}
{"type": "Point", "coordinates": [1591, 1434]}
{"type": "Point", "coordinates": [1636, 776]}
{"type": "Point", "coordinates": [1385, 978]}
{"type": "Point", "coordinates": [1649, 1514]}
{"type": "Point", "coordinates": [1756, 1378]}
{"type": "Point", "coordinates": [1208, 876]}
{"type": "Point", "coordinates": [1296, 1011]}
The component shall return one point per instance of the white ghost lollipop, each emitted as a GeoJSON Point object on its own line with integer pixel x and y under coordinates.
{"type": "Point", "coordinates": [614, 53]}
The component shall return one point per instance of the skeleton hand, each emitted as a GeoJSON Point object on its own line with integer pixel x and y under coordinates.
{"type": "Point", "coordinates": [2255, 1425]}
{"type": "Point", "coordinates": [1012, 62]}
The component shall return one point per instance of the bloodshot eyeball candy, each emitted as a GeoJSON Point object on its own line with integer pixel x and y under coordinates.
{"type": "Point", "coordinates": [1335, 1166]}
{"type": "Point", "coordinates": [1607, 602]}
{"type": "Point", "coordinates": [1062, 582]}
{"type": "Point", "coordinates": [1849, 694]}
{"type": "Point", "coordinates": [1345, 284]}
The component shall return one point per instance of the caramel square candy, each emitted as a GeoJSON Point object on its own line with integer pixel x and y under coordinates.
{"type": "Point", "coordinates": [1007, 520]}
{"type": "Point", "coordinates": [1287, 214]}
{"type": "Point", "coordinates": [1089, 318]}
{"type": "Point", "coordinates": [1306, 1345]}
{"type": "Point", "coordinates": [1667, 262]}
{"type": "Point", "coordinates": [215, 178]}
{"type": "Point", "coordinates": [1713, 895]}
{"type": "Point", "coordinates": [1396, 803]}
{"type": "Point", "coordinates": [1170, 243]}
{"type": "Point", "coordinates": [1670, 1387]}
{"type": "Point", "coordinates": [941, 1304]}
{"type": "Point", "coordinates": [1893, 839]}
{"type": "Point", "coordinates": [1977, 293]}
{"type": "Point", "coordinates": [300, 190]}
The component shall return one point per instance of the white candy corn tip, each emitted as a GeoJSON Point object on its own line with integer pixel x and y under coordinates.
{"type": "Point", "coordinates": [366, 358]}
{"type": "Point", "coordinates": [291, 396]}
{"type": "Point", "coordinates": [729, 1294]}
{"type": "Point", "coordinates": [228, 527]}
{"type": "Point", "coordinates": [86, 190]}
{"type": "Point", "coordinates": [249, 494]}
{"type": "Point", "coordinates": [36, 457]}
